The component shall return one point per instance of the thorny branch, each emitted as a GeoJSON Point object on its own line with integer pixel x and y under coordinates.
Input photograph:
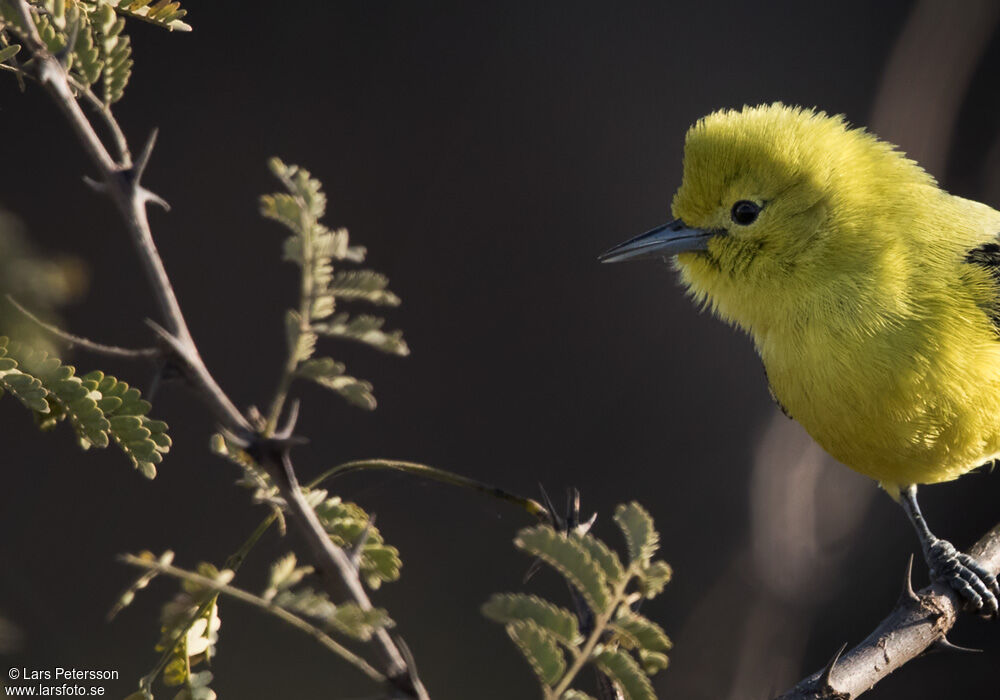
{"type": "Point", "coordinates": [120, 180]}
{"type": "Point", "coordinates": [918, 624]}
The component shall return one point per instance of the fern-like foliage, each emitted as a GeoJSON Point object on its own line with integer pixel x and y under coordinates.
{"type": "Point", "coordinates": [316, 249]}
{"type": "Point", "coordinates": [94, 30]}
{"type": "Point", "coordinates": [625, 646]}
{"type": "Point", "coordinates": [100, 408]}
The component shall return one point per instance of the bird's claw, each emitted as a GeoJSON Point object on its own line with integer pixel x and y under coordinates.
{"type": "Point", "coordinates": [966, 576]}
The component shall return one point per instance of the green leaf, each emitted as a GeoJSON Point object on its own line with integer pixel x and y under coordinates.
{"type": "Point", "coordinates": [654, 578]}
{"type": "Point", "coordinates": [625, 672]}
{"type": "Point", "coordinates": [380, 563]}
{"type": "Point", "coordinates": [116, 55]}
{"type": "Point", "coordinates": [336, 244]}
{"type": "Point", "coordinates": [87, 63]}
{"type": "Point", "coordinates": [9, 52]}
{"type": "Point", "coordinates": [540, 649]}
{"type": "Point", "coordinates": [357, 623]}
{"type": "Point", "coordinates": [25, 388]}
{"type": "Point", "coordinates": [364, 329]}
{"type": "Point", "coordinates": [365, 285]}
{"type": "Point", "coordinates": [305, 601]}
{"type": "Point", "coordinates": [607, 559]}
{"type": "Point", "coordinates": [575, 695]}
{"type": "Point", "coordinates": [637, 526]}
{"type": "Point", "coordinates": [234, 453]}
{"type": "Point", "coordinates": [645, 633]}
{"type": "Point", "coordinates": [49, 31]}
{"type": "Point", "coordinates": [348, 618]}
{"type": "Point", "coordinates": [285, 574]}
{"type": "Point", "coordinates": [163, 13]}
{"type": "Point", "coordinates": [141, 438]}
{"type": "Point", "coordinates": [570, 559]}
{"type": "Point", "coordinates": [286, 210]}
{"type": "Point", "coordinates": [653, 661]}
{"type": "Point", "coordinates": [345, 523]}
{"type": "Point", "coordinates": [330, 374]}
{"type": "Point", "coordinates": [301, 342]}
{"type": "Point", "coordinates": [301, 185]}
{"type": "Point", "coordinates": [511, 607]}
{"type": "Point", "coordinates": [98, 407]}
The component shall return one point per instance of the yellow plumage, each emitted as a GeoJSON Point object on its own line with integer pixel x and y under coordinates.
{"type": "Point", "coordinates": [855, 284]}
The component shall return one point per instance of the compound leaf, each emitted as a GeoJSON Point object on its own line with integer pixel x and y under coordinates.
{"type": "Point", "coordinates": [540, 649]}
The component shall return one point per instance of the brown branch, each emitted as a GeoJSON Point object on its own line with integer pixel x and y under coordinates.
{"type": "Point", "coordinates": [120, 180]}
{"type": "Point", "coordinates": [919, 623]}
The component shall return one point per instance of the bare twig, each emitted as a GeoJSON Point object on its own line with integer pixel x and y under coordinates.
{"type": "Point", "coordinates": [121, 181]}
{"type": "Point", "coordinates": [86, 343]}
{"type": "Point", "coordinates": [530, 505]}
{"type": "Point", "coordinates": [919, 623]}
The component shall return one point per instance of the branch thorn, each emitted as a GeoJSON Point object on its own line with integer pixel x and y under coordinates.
{"type": "Point", "coordinates": [944, 644]}
{"type": "Point", "coordinates": [827, 672]}
{"type": "Point", "coordinates": [286, 433]}
{"type": "Point", "coordinates": [153, 198]}
{"type": "Point", "coordinates": [908, 595]}
{"type": "Point", "coordinates": [558, 522]}
{"type": "Point", "coordinates": [143, 160]}
{"type": "Point", "coordinates": [361, 542]}
{"type": "Point", "coordinates": [95, 185]}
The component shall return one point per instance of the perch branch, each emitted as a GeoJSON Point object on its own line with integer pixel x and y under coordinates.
{"type": "Point", "coordinates": [918, 624]}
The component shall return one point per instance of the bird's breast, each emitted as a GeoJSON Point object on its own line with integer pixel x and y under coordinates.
{"type": "Point", "coordinates": [902, 405]}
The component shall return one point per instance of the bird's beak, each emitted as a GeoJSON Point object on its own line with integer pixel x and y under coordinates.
{"type": "Point", "coordinates": [661, 242]}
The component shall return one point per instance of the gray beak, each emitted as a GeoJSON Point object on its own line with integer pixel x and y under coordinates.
{"type": "Point", "coordinates": [661, 242]}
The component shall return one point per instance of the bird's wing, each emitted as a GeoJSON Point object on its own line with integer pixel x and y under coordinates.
{"type": "Point", "coordinates": [987, 256]}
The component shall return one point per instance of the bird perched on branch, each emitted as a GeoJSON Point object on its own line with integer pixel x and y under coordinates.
{"type": "Point", "coordinates": [871, 295]}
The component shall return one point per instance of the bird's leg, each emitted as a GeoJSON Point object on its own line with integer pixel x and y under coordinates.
{"type": "Point", "coordinates": [947, 565]}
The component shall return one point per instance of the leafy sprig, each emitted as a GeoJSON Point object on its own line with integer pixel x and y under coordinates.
{"type": "Point", "coordinates": [100, 409]}
{"type": "Point", "coordinates": [609, 634]}
{"type": "Point", "coordinates": [316, 249]}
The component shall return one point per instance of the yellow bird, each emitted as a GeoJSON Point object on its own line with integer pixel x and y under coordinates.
{"type": "Point", "coordinates": [871, 295]}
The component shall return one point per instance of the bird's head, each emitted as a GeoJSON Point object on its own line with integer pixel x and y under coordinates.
{"type": "Point", "coordinates": [773, 201]}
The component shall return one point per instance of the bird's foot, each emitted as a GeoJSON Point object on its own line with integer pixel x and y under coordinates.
{"type": "Point", "coordinates": [966, 576]}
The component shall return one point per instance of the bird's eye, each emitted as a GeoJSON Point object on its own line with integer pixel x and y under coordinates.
{"type": "Point", "coordinates": [745, 212]}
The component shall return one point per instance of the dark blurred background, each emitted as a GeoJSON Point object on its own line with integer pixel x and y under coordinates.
{"type": "Point", "coordinates": [485, 154]}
